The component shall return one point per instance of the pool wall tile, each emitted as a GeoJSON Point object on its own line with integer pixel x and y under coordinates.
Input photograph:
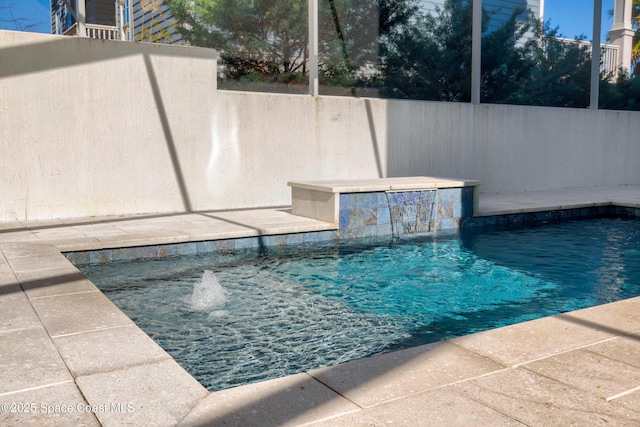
{"type": "Point", "coordinates": [326, 236]}
{"type": "Point", "coordinates": [165, 251]}
{"type": "Point", "coordinates": [99, 257]}
{"type": "Point", "coordinates": [122, 254]}
{"type": "Point", "coordinates": [309, 237]}
{"type": "Point", "coordinates": [246, 243]}
{"type": "Point", "coordinates": [224, 246]}
{"type": "Point", "coordinates": [189, 248]}
{"type": "Point", "coordinates": [206, 246]}
{"type": "Point", "coordinates": [275, 240]}
{"type": "Point", "coordinates": [295, 239]}
{"type": "Point", "coordinates": [383, 201]}
{"type": "Point", "coordinates": [383, 215]}
{"type": "Point", "coordinates": [79, 258]}
{"type": "Point", "coordinates": [142, 252]}
{"type": "Point", "coordinates": [344, 201]}
{"type": "Point", "coordinates": [369, 215]}
{"type": "Point", "coordinates": [533, 218]}
{"type": "Point", "coordinates": [403, 212]}
{"type": "Point", "coordinates": [343, 221]}
{"type": "Point", "coordinates": [449, 223]}
{"type": "Point", "coordinates": [384, 230]}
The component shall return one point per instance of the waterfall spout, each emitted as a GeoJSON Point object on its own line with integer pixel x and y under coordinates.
{"type": "Point", "coordinates": [411, 212]}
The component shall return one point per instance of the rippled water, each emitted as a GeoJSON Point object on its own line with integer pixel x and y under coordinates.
{"type": "Point", "coordinates": [293, 309]}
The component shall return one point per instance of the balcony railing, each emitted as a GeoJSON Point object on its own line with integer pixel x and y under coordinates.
{"type": "Point", "coordinates": [95, 31]}
{"type": "Point", "coordinates": [608, 56]}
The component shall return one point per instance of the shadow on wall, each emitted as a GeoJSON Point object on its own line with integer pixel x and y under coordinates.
{"type": "Point", "coordinates": [33, 53]}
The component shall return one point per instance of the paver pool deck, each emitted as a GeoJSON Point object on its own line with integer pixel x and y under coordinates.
{"type": "Point", "coordinates": [69, 357]}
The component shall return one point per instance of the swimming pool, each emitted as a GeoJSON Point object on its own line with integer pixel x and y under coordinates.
{"type": "Point", "coordinates": [293, 309]}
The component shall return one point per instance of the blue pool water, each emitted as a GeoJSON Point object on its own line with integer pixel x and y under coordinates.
{"type": "Point", "coordinates": [288, 310]}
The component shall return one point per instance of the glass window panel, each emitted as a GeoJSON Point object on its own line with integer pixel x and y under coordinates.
{"type": "Point", "coordinates": [527, 57]}
{"type": "Point", "coordinates": [409, 49]}
{"type": "Point", "coordinates": [262, 43]}
{"type": "Point", "coordinates": [620, 82]}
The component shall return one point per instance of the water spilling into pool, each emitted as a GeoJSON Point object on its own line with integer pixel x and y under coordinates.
{"type": "Point", "coordinates": [293, 309]}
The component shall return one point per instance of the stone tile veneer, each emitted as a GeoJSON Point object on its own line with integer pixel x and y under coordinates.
{"type": "Point", "coordinates": [367, 214]}
{"type": "Point", "coordinates": [100, 256]}
{"type": "Point", "coordinates": [533, 218]}
{"type": "Point", "coordinates": [362, 226]}
{"type": "Point", "coordinates": [361, 215]}
{"type": "Point", "coordinates": [398, 213]}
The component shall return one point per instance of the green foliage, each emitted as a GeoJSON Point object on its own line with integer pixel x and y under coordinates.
{"type": "Point", "coordinates": [523, 61]}
{"type": "Point", "coordinates": [560, 74]}
{"type": "Point", "coordinates": [621, 94]}
{"type": "Point", "coordinates": [266, 40]}
{"type": "Point", "coordinates": [430, 59]}
{"type": "Point", "coordinates": [506, 59]}
{"type": "Point", "coordinates": [389, 47]}
{"type": "Point", "coordinates": [262, 38]}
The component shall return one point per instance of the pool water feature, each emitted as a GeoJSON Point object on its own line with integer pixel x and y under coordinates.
{"type": "Point", "coordinates": [414, 217]}
{"type": "Point", "coordinates": [288, 310]}
{"type": "Point", "coordinates": [207, 293]}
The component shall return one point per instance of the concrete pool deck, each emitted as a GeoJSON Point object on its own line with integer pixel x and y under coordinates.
{"type": "Point", "coordinates": [68, 356]}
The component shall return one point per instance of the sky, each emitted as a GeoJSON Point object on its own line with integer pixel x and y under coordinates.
{"type": "Point", "coordinates": [573, 17]}
{"type": "Point", "coordinates": [34, 12]}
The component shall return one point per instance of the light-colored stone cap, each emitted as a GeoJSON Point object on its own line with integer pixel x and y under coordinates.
{"type": "Point", "coordinates": [382, 184]}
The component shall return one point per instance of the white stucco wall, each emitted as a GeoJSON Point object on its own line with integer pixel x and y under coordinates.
{"type": "Point", "coordinates": [87, 126]}
{"type": "Point", "coordinates": [514, 148]}
{"type": "Point", "coordinates": [259, 142]}
{"type": "Point", "coordinates": [92, 127]}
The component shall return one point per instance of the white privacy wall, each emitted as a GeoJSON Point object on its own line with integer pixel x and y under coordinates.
{"type": "Point", "coordinates": [513, 148]}
{"type": "Point", "coordinates": [91, 127]}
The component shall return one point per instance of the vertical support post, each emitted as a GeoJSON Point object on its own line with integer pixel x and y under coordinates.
{"type": "Point", "coordinates": [131, 20]}
{"type": "Point", "coordinates": [595, 55]}
{"type": "Point", "coordinates": [82, 18]}
{"type": "Point", "coordinates": [313, 48]}
{"type": "Point", "coordinates": [476, 51]}
{"type": "Point", "coordinates": [622, 32]}
{"type": "Point", "coordinates": [120, 6]}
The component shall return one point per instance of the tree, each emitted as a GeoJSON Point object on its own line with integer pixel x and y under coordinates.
{"type": "Point", "coordinates": [561, 72]}
{"type": "Point", "coordinates": [430, 59]}
{"type": "Point", "coordinates": [523, 62]}
{"type": "Point", "coordinates": [266, 40]}
{"type": "Point", "coordinates": [260, 37]}
{"type": "Point", "coordinates": [360, 27]}
{"type": "Point", "coordinates": [621, 94]}
{"type": "Point", "coordinates": [10, 21]}
{"type": "Point", "coordinates": [507, 62]}
{"type": "Point", "coordinates": [389, 45]}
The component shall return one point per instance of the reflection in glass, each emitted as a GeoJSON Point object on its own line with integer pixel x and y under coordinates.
{"type": "Point", "coordinates": [620, 89]}
{"type": "Point", "coordinates": [419, 49]}
{"type": "Point", "coordinates": [262, 43]}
